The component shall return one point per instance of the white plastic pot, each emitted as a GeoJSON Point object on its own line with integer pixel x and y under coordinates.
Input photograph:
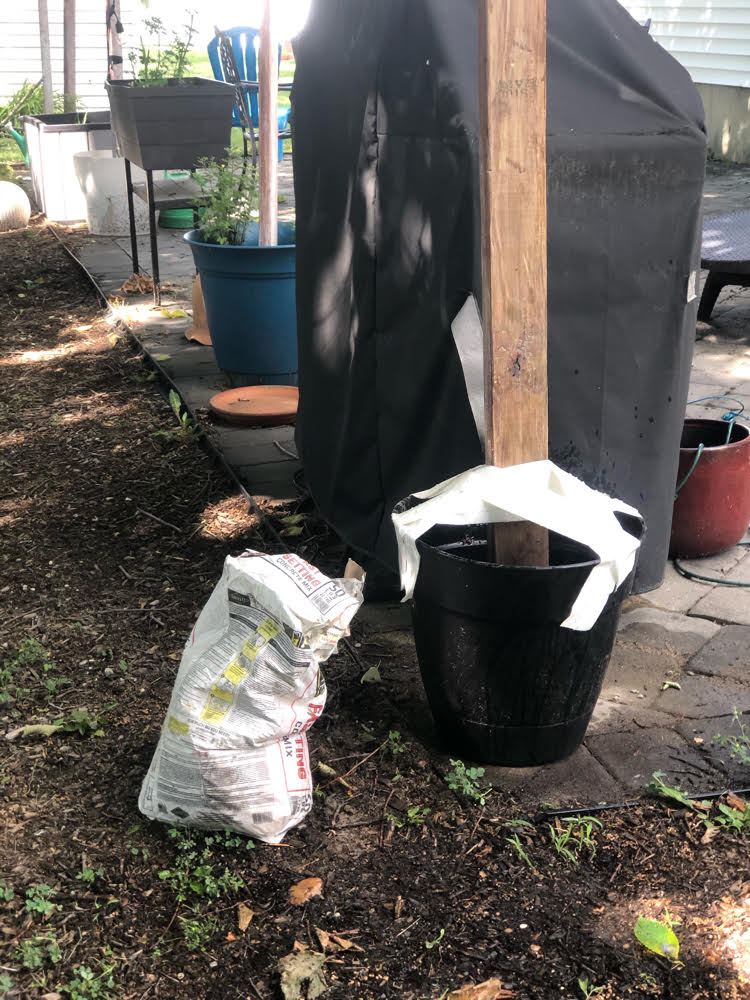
{"type": "Point", "coordinates": [102, 179]}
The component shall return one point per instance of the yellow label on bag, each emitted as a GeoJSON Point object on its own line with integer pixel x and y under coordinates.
{"type": "Point", "coordinates": [269, 629]}
{"type": "Point", "coordinates": [235, 673]}
{"type": "Point", "coordinates": [177, 726]}
{"type": "Point", "coordinates": [250, 651]}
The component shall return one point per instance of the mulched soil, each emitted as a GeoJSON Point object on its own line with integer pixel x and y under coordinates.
{"type": "Point", "coordinates": [114, 529]}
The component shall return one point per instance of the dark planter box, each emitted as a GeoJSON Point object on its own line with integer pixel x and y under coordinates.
{"type": "Point", "coordinates": [174, 126]}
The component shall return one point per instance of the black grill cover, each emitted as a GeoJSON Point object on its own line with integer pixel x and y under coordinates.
{"type": "Point", "coordinates": [387, 195]}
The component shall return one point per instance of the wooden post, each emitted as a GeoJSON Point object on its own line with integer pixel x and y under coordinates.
{"type": "Point", "coordinates": [69, 55]}
{"type": "Point", "coordinates": [268, 98]}
{"type": "Point", "coordinates": [49, 106]}
{"type": "Point", "coordinates": [513, 181]}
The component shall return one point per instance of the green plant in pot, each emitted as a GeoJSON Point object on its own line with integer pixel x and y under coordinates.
{"type": "Point", "coordinates": [163, 119]}
{"type": "Point", "coordinates": [249, 290]}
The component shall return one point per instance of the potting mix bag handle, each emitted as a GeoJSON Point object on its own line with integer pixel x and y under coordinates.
{"type": "Point", "coordinates": [232, 753]}
{"type": "Point", "coordinates": [537, 492]}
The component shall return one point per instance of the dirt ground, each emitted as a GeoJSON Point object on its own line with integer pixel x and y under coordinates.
{"type": "Point", "coordinates": [114, 527]}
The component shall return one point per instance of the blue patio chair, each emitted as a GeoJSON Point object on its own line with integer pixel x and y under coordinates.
{"type": "Point", "coordinates": [245, 56]}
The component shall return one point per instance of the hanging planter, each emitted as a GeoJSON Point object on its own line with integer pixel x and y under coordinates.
{"type": "Point", "coordinates": [712, 507]}
{"type": "Point", "coordinates": [171, 126]}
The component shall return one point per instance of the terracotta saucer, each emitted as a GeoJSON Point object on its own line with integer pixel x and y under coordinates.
{"type": "Point", "coordinates": [257, 405]}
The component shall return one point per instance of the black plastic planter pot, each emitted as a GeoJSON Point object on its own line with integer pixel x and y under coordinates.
{"type": "Point", "coordinates": [175, 126]}
{"type": "Point", "coordinates": [505, 682]}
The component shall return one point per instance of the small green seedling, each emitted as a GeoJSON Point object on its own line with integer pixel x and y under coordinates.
{"type": "Point", "coordinates": [515, 843]}
{"type": "Point", "coordinates": [465, 781]}
{"type": "Point", "coordinates": [188, 429]}
{"type": "Point", "coordinates": [90, 875]}
{"type": "Point", "coordinates": [589, 991]}
{"type": "Point", "coordinates": [429, 945]}
{"type": "Point", "coordinates": [395, 744]}
{"type": "Point", "coordinates": [6, 891]}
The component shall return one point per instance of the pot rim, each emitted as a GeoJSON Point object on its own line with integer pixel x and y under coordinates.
{"type": "Point", "coordinates": [233, 246]}
{"type": "Point", "coordinates": [714, 448]}
{"type": "Point", "coordinates": [541, 569]}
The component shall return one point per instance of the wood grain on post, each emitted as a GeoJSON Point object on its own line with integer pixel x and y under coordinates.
{"type": "Point", "coordinates": [513, 184]}
{"type": "Point", "coordinates": [268, 99]}
{"type": "Point", "coordinates": [69, 55]}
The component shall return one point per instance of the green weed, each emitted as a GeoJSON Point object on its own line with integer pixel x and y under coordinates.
{"type": "Point", "coordinates": [90, 875]}
{"type": "Point", "coordinates": [573, 835]}
{"type": "Point", "coordinates": [88, 985]}
{"type": "Point", "coordinates": [187, 431]}
{"type": "Point", "coordinates": [6, 984]}
{"type": "Point", "coordinates": [6, 891]}
{"type": "Point", "coordinates": [29, 663]}
{"type": "Point", "coordinates": [738, 743]}
{"type": "Point", "coordinates": [395, 744]}
{"type": "Point", "coordinates": [515, 843]}
{"type": "Point", "coordinates": [465, 781]}
{"type": "Point", "coordinates": [198, 931]}
{"type": "Point", "coordinates": [193, 873]}
{"type": "Point", "coordinates": [38, 900]}
{"type": "Point", "coordinates": [38, 951]}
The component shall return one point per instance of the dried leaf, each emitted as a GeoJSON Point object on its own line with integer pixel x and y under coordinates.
{"type": "Point", "coordinates": [173, 313]}
{"type": "Point", "coordinates": [299, 968]}
{"type": "Point", "coordinates": [138, 284]}
{"type": "Point", "coordinates": [491, 989]}
{"type": "Point", "coordinates": [162, 357]}
{"type": "Point", "coordinates": [335, 942]}
{"type": "Point", "coordinates": [324, 939]}
{"type": "Point", "coordinates": [34, 730]}
{"type": "Point", "coordinates": [735, 802]}
{"type": "Point", "coordinates": [657, 937]}
{"type": "Point", "coordinates": [671, 684]}
{"type": "Point", "coordinates": [231, 936]}
{"type": "Point", "coordinates": [371, 676]}
{"type": "Point", "coordinates": [244, 916]}
{"type": "Point", "coordinates": [304, 890]}
{"type": "Point", "coordinates": [711, 832]}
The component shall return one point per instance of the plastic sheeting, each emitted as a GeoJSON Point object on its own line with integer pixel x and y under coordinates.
{"type": "Point", "coordinates": [387, 198]}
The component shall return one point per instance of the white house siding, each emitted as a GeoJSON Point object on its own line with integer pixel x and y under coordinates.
{"type": "Point", "coordinates": [712, 41]}
{"type": "Point", "coordinates": [20, 57]}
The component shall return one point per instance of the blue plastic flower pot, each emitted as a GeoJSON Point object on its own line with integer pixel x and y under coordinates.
{"type": "Point", "coordinates": [251, 309]}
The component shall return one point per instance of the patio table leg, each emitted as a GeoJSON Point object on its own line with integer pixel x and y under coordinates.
{"type": "Point", "coordinates": [131, 216]}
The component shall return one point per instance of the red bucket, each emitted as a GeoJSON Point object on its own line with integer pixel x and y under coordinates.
{"type": "Point", "coordinates": [712, 509]}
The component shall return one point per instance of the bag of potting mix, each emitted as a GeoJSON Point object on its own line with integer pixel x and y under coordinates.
{"type": "Point", "coordinates": [232, 753]}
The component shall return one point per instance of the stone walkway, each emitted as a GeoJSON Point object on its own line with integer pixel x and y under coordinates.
{"type": "Point", "coordinates": [681, 665]}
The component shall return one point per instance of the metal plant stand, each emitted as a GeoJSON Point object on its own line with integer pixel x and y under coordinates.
{"type": "Point", "coordinates": [172, 192]}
